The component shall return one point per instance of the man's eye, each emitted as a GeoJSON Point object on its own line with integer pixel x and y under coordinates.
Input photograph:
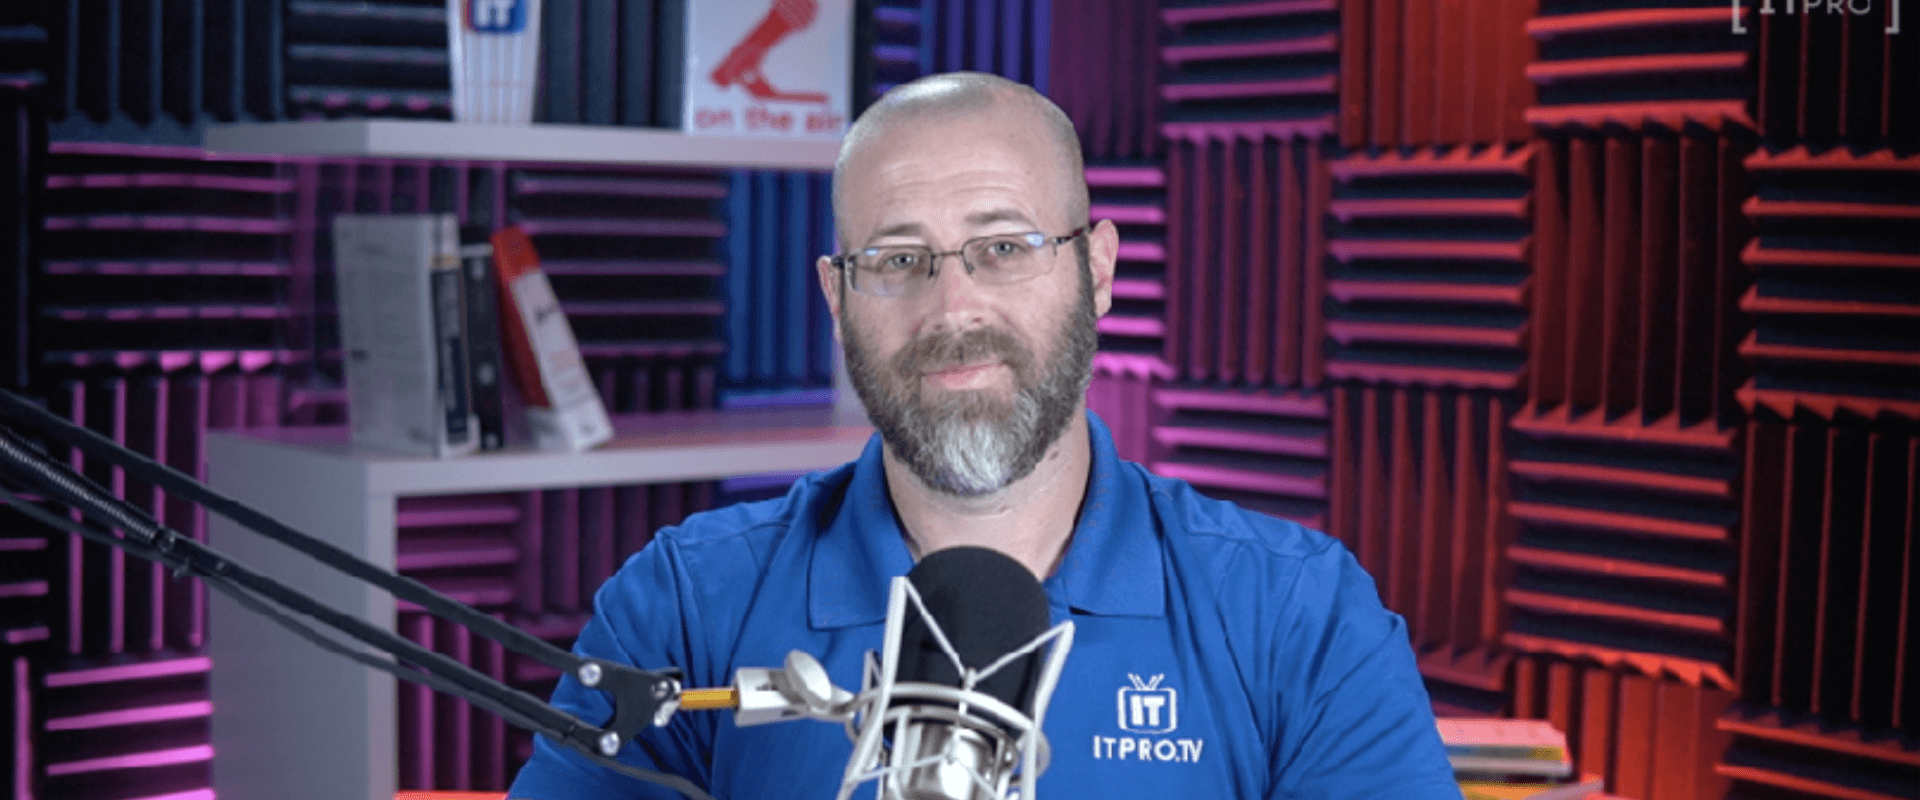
{"type": "Point", "coordinates": [1001, 248]}
{"type": "Point", "coordinates": [899, 260]}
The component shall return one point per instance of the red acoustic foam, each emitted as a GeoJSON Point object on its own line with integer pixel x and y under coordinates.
{"type": "Point", "coordinates": [1636, 281]}
{"type": "Point", "coordinates": [1639, 68]}
{"type": "Point", "coordinates": [1420, 497]}
{"type": "Point", "coordinates": [1223, 65]}
{"type": "Point", "coordinates": [1836, 294]}
{"type": "Point", "coordinates": [1827, 573]}
{"type": "Point", "coordinates": [1650, 736]}
{"type": "Point", "coordinates": [1263, 448]}
{"type": "Point", "coordinates": [1429, 259]}
{"type": "Point", "coordinates": [1434, 74]}
{"type": "Point", "coordinates": [1245, 270]}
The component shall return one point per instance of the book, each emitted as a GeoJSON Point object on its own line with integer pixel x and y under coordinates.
{"type": "Point", "coordinates": [483, 336]}
{"type": "Point", "coordinates": [564, 409]}
{"type": "Point", "coordinates": [399, 292]}
{"type": "Point", "coordinates": [1550, 790]}
{"type": "Point", "coordinates": [1532, 749]}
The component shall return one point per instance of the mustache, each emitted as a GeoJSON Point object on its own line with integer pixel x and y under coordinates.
{"type": "Point", "coordinates": [945, 351]}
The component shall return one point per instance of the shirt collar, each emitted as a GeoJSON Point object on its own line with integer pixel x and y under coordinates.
{"type": "Point", "coordinates": [1112, 567]}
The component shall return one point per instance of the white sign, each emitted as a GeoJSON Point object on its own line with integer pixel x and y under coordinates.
{"type": "Point", "coordinates": [494, 47]}
{"type": "Point", "coordinates": [777, 68]}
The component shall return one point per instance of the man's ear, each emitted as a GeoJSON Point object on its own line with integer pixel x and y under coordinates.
{"type": "Point", "coordinates": [1103, 256]}
{"type": "Point", "coordinates": [830, 284]}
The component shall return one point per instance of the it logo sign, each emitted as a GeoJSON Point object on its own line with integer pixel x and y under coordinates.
{"type": "Point", "coordinates": [1148, 711]}
{"type": "Point", "coordinates": [496, 16]}
{"type": "Point", "coordinates": [1145, 707]}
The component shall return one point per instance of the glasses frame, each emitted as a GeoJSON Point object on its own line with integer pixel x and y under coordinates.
{"type": "Point", "coordinates": [844, 261]}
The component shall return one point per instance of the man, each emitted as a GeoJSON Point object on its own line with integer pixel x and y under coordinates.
{"type": "Point", "coordinates": [1218, 652]}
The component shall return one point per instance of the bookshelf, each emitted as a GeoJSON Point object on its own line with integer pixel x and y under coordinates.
{"type": "Point", "coordinates": [298, 723]}
{"type": "Point", "coordinates": [458, 141]}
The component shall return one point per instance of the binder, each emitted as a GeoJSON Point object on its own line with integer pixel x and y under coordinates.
{"type": "Point", "coordinates": [483, 336]}
{"type": "Point", "coordinates": [403, 329]}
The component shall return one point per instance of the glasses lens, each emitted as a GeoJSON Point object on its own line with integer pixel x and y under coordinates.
{"type": "Point", "coordinates": [1003, 259]}
{"type": "Point", "coordinates": [891, 270]}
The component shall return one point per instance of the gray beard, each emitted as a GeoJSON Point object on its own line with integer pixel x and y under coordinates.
{"type": "Point", "coordinates": [971, 443]}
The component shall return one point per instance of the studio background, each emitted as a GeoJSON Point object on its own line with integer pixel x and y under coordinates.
{"type": "Point", "coordinates": [1593, 329]}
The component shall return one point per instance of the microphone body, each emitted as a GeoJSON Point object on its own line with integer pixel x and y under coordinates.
{"type": "Point", "coordinates": [987, 605]}
{"type": "Point", "coordinates": [953, 708]}
{"type": "Point", "coordinates": [959, 698]}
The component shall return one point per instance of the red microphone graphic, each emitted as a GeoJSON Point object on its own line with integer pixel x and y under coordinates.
{"type": "Point", "coordinates": [742, 65]}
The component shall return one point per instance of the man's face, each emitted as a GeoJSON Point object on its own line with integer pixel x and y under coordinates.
{"type": "Point", "coordinates": [968, 384]}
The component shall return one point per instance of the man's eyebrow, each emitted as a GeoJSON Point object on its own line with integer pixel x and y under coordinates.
{"type": "Point", "coordinates": [904, 229]}
{"type": "Point", "coordinates": [981, 219]}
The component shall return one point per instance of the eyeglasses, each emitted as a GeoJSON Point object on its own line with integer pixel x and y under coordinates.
{"type": "Point", "coordinates": [904, 270]}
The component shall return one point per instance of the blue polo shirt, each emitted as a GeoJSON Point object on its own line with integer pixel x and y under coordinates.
{"type": "Point", "coordinates": [1217, 652]}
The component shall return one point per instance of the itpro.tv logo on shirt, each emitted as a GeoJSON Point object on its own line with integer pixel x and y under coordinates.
{"type": "Point", "coordinates": [1146, 707]}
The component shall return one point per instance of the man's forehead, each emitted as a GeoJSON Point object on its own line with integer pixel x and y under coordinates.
{"type": "Point", "coordinates": [1006, 216]}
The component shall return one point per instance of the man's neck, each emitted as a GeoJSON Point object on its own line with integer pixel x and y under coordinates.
{"type": "Point", "coordinates": [1030, 520]}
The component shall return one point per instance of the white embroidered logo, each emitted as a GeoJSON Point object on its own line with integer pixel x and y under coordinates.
{"type": "Point", "coordinates": [1147, 708]}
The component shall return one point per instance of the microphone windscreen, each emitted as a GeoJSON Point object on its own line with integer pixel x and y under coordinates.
{"type": "Point", "coordinates": [988, 605]}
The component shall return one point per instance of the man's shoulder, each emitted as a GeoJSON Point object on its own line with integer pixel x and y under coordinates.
{"type": "Point", "coordinates": [754, 526]}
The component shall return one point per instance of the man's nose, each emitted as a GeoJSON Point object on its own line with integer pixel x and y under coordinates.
{"type": "Point", "coordinates": [959, 302]}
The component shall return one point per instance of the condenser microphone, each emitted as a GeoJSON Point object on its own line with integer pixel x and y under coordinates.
{"type": "Point", "coordinates": [952, 706]}
{"type": "Point", "coordinates": [981, 613]}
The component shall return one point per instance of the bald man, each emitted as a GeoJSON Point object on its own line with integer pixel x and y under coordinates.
{"type": "Point", "coordinates": [1219, 653]}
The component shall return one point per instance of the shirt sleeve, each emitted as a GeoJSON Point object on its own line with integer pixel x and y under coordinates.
{"type": "Point", "coordinates": [644, 617]}
{"type": "Point", "coordinates": [1358, 724]}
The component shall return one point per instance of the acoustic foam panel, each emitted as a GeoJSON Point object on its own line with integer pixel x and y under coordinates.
{"type": "Point", "coordinates": [1428, 268]}
{"type": "Point", "coordinates": [901, 47]}
{"type": "Point", "coordinates": [1262, 68]}
{"type": "Point", "coordinates": [156, 252]}
{"type": "Point", "coordinates": [1009, 38]}
{"type": "Point", "coordinates": [157, 70]}
{"type": "Point", "coordinates": [132, 729]}
{"type": "Point", "coordinates": [1827, 599]}
{"type": "Point", "coordinates": [1245, 270]}
{"type": "Point", "coordinates": [23, 135]}
{"type": "Point", "coordinates": [1106, 75]}
{"type": "Point", "coordinates": [1434, 74]}
{"type": "Point", "coordinates": [1835, 298]}
{"type": "Point", "coordinates": [377, 59]}
{"type": "Point", "coordinates": [1650, 736]}
{"type": "Point", "coordinates": [1123, 399]}
{"type": "Point", "coordinates": [778, 226]}
{"type": "Point", "coordinates": [1638, 66]}
{"type": "Point", "coordinates": [1783, 755]}
{"type": "Point", "coordinates": [119, 688]}
{"type": "Point", "coordinates": [1635, 279]}
{"type": "Point", "coordinates": [1264, 449]}
{"type": "Point", "coordinates": [1829, 79]}
{"type": "Point", "coordinates": [1134, 199]}
{"type": "Point", "coordinates": [1625, 550]}
{"type": "Point", "coordinates": [1418, 493]}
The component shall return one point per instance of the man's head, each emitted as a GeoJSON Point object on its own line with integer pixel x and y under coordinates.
{"type": "Point", "coordinates": [970, 378]}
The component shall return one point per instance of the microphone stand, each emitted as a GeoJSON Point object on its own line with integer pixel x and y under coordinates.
{"type": "Point", "coordinates": [640, 697]}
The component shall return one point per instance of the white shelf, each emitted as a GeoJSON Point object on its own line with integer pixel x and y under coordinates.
{"type": "Point", "coordinates": [654, 448]}
{"type": "Point", "coordinates": [311, 479]}
{"type": "Point", "coordinates": [453, 141]}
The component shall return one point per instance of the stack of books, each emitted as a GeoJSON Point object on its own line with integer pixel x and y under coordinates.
{"type": "Point", "coordinates": [432, 316]}
{"type": "Point", "coordinates": [1513, 759]}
